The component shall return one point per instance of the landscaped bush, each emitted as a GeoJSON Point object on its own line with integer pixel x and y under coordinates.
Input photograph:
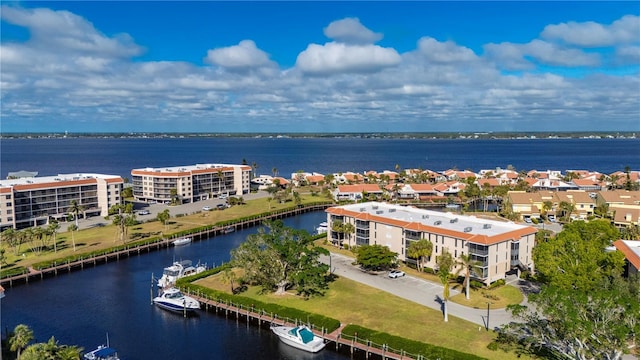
{"type": "Point", "coordinates": [497, 283]}
{"type": "Point", "coordinates": [279, 311]}
{"type": "Point", "coordinates": [427, 351]}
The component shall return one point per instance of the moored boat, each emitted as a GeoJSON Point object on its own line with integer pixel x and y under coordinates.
{"type": "Point", "coordinates": [102, 352]}
{"type": "Point", "coordinates": [173, 299]}
{"type": "Point", "coordinates": [182, 241]}
{"type": "Point", "coordinates": [322, 228]}
{"type": "Point", "coordinates": [300, 337]}
{"type": "Point", "coordinates": [177, 270]}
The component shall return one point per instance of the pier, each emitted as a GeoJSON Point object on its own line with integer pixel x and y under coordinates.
{"type": "Point", "coordinates": [139, 249]}
{"type": "Point", "coordinates": [357, 347]}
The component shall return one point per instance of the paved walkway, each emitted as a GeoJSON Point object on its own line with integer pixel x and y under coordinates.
{"type": "Point", "coordinates": [419, 291]}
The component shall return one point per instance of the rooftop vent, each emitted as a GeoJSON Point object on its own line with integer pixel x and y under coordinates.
{"type": "Point", "coordinates": [453, 220]}
{"type": "Point", "coordinates": [380, 212]}
{"type": "Point", "coordinates": [375, 207]}
{"type": "Point", "coordinates": [425, 216]}
{"type": "Point", "coordinates": [437, 222]}
{"type": "Point", "coordinates": [362, 209]}
{"type": "Point", "coordinates": [468, 229]}
{"type": "Point", "coordinates": [486, 226]}
{"type": "Point", "coordinates": [392, 210]}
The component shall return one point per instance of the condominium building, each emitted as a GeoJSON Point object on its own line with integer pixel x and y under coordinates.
{"type": "Point", "coordinates": [498, 247]}
{"type": "Point", "coordinates": [33, 201]}
{"type": "Point", "coordinates": [190, 183]}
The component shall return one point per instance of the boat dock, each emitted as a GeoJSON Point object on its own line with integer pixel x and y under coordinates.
{"type": "Point", "coordinates": [360, 348]}
{"type": "Point", "coordinates": [138, 249]}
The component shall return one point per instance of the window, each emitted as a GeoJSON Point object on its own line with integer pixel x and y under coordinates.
{"type": "Point", "coordinates": [8, 204]}
{"type": "Point", "coordinates": [8, 197]}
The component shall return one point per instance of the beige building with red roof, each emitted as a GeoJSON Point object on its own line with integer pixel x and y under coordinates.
{"type": "Point", "coordinates": [33, 201]}
{"type": "Point", "coordinates": [499, 247]}
{"type": "Point", "coordinates": [631, 251]}
{"type": "Point", "coordinates": [192, 183]}
{"type": "Point", "coordinates": [355, 192]}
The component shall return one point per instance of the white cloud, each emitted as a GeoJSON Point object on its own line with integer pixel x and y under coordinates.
{"type": "Point", "coordinates": [444, 52]}
{"type": "Point", "coordinates": [245, 55]}
{"type": "Point", "coordinates": [62, 30]}
{"type": "Point", "coordinates": [590, 34]}
{"type": "Point", "coordinates": [524, 56]}
{"type": "Point", "coordinates": [341, 58]}
{"type": "Point", "coordinates": [351, 31]}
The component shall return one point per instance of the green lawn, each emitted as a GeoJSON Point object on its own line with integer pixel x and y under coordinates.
{"type": "Point", "coordinates": [354, 303]}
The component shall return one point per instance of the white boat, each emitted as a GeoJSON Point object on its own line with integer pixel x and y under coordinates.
{"type": "Point", "coordinates": [300, 337]}
{"type": "Point", "coordinates": [177, 270]}
{"type": "Point", "coordinates": [102, 352]}
{"type": "Point", "coordinates": [322, 228]}
{"type": "Point", "coordinates": [173, 299]}
{"type": "Point", "coordinates": [182, 241]}
{"type": "Point", "coordinates": [229, 229]}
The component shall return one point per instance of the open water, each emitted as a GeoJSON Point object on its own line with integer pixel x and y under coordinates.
{"type": "Point", "coordinates": [80, 308]}
{"type": "Point", "coordinates": [119, 156]}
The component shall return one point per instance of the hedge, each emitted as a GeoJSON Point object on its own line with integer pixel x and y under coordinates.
{"type": "Point", "coordinates": [426, 351]}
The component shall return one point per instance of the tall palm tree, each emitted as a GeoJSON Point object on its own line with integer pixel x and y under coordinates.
{"type": "Point", "coordinates": [75, 209]}
{"type": "Point", "coordinates": [73, 228]}
{"type": "Point", "coordinates": [468, 265]}
{"type": "Point", "coordinates": [53, 228]}
{"type": "Point", "coordinates": [274, 171]}
{"type": "Point", "coordinates": [21, 337]}
{"type": "Point", "coordinates": [445, 263]}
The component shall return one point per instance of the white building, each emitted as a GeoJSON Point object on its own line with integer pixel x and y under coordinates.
{"type": "Point", "coordinates": [499, 247]}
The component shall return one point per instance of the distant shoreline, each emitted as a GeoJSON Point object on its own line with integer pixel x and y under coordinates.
{"type": "Point", "coordinates": [377, 135]}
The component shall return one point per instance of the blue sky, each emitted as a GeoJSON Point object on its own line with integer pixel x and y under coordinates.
{"type": "Point", "coordinates": [277, 67]}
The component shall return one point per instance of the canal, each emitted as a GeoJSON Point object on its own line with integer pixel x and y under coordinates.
{"type": "Point", "coordinates": [81, 307]}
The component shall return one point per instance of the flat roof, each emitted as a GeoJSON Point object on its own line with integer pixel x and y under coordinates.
{"type": "Point", "coordinates": [445, 220]}
{"type": "Point", "coordinates": [55, 178]}
{"type": "Point", "coordinates": [185, 168]}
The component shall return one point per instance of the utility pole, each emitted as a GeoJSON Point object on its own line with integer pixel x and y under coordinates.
{"type": "Point", "coordinates": [488, 304]}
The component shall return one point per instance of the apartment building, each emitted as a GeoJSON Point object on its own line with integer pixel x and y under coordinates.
{"type": "Point", "coordinates": [33, 201]}
{"type": "Point", "coordinates": [191, 183]}
{"type": "Point", "coordinates": [499, 247]}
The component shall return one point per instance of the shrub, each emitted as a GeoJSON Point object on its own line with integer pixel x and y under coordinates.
{"type": "Point", "coordinates": [497, 283]}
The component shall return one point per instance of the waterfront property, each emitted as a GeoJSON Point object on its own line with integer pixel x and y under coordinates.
{"type": "Point", "coordinates": [631, 251]}
{"type": "Point", "coordinates": [33, 201]}
{"type": "Point", "coordinates": [190, 183]}
{"type": "Point", "coordinates": [498, 247]}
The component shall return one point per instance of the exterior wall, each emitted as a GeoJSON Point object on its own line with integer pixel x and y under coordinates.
{"type": "Point", "coordinates": [34, 201]}
{"type": "Point", "coordinates": [512, 247]}
{"type": "Point", "coordinates": [193, 183]}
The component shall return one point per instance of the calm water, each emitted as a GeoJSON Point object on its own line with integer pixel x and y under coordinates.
{"type": "Point", "coordinates": [81, 307]}
{"type": "Point", "coordinates": [288, 155]}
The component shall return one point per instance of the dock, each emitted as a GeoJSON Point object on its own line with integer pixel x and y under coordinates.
{"type": "Point", "coordinates": [356, 347]}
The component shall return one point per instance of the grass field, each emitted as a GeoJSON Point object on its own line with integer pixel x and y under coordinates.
{"type": "Point", "coordinates": [354, 303]}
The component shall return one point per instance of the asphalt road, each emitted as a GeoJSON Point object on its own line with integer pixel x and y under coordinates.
{"type": "Point", "coordinates": [420, 291]}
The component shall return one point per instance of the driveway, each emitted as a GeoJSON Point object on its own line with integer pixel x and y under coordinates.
{"type": "Point", "coordinates": [417, 290]}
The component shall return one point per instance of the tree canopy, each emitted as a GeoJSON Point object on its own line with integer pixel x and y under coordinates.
{"type": "Point", "coordinates": [585, 309]}
{"type": "Point", "coordinates": [376, 257]}
{"type": "Point", "coordinates": [576, 257]}
{"type": "Point", "coordinates": [420, 250]}
{"type": "Point", "coordinates": [281, 258]}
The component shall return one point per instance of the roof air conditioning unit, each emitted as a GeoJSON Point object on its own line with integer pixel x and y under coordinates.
{"type": "Point", "coordinates": [468, 229]}
{"type": "Point", "coordinates": [438, 222]}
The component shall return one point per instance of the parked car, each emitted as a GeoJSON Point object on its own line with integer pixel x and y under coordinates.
{"type": "Point", "coordinates": [206, 208]}
{"type": "Point", "coordinates": [396, 273]}
{"type": "Point", "coordinates": [221, 206]}
{"type": "Point", "coordinates": [144, 212]}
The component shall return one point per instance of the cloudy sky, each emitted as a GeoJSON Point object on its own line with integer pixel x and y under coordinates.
{"type": "Point", "coordinates": [220, 67]}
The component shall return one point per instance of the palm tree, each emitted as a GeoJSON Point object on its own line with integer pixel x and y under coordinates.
{"type": "Point", "coordinates": [468, 265]}
{"type": "Point", "coordinates": [22, 335]}
{"type": "Point", "coordinates": [420, 250]}
{"type": "Point", "coordinates": [255, 168]}
{"type": "Point", "coordinates": [73, 228]}
{"type": "Point", "coordinates": [274, 171]}
{"type": "Point", "coordinates": [75, 209]}
{"type": "Point", "coordinates": [546, 206]}
{"type": "Point", "coordinates": [445, 263]}
{"type": "Point", "coordinates": [10, 236]}
{"type": "Point", "coordinates": [228, 277]}
{"type": "Point", "coordinates": [567, 208]}
{"type": "Point", "coordinates": [53, 228]}
{"type": "Point", "coordinates": [163, 217]}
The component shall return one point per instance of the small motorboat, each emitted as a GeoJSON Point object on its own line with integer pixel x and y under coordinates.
{"type": "Point", "coordinates": [177, 270]}
{"type": "Point", "coordinates": [182, 241]}
{"type": "Point", "coordinates": [173, 299]}
{"type": "Point", "coordinates": [322, 228]}
{"type": "Point", "coordinates": [300, 337]}
{"type": "Point", "coordinates": [229, 229]}
{"type": "Point", "coordinates": [102, 352]}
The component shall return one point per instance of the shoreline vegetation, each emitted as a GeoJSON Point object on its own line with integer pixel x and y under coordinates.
{"type": "Point", "coordinates": [378, 135]}
{"type": "Point", "coordinates": [101, 238]}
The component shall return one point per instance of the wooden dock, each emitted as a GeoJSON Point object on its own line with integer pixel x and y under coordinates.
{"type": "Point", "coordinates": [139, 249]}
{"type": "Point", "coordinates": [356, 347]}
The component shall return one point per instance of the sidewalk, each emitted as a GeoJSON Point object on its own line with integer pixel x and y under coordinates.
{"type": "Point", "coordinates": [419, 291]}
